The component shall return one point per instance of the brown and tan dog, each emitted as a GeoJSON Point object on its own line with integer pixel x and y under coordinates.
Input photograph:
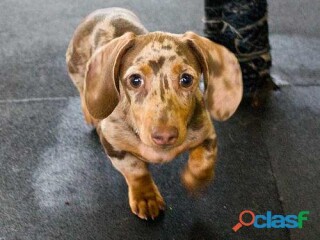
{"type": "Point", "coordinates": [141, 91]}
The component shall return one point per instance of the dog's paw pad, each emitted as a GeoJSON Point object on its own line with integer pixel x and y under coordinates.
{"type": "Point", "coordinates": [146, 202]}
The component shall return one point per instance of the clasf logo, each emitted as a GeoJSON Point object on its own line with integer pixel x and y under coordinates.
{"type": "Point", "coordinates": [271, 221]}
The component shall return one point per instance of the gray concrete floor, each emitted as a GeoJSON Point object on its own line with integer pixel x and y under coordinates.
{"type": "Point", "coordinates": [56, 183]}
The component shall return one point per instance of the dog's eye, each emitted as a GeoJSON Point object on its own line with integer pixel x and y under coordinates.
{"type": "Point", "coordinates": [186, 80]}
{"type": "Point", "coordinates": [136, 80]}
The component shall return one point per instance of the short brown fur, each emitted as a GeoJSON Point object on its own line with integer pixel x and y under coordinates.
{"type": "Point", "coordinates": [155, 117]}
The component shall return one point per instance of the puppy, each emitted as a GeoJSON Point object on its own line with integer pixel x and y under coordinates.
{"type": "Point", "coordinates": [141, 92]}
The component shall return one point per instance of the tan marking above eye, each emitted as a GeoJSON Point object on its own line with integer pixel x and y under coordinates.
{"type": "Point", "coordinates": [177, 69]}
{"type": "Point", "coordinates": [146, 70]}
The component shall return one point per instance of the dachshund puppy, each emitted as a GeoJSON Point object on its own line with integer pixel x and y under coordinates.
{"type": "Point", "coordinates": [141, 92]}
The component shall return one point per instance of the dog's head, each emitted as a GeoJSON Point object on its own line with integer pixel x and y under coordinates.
{"type": "Point", "coordinates": [155, 78]}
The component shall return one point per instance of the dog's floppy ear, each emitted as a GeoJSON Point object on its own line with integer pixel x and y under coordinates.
{"type": "Point", "coordinates": [101, 90]}
{"type": "Point", "coordinates": [222, 76]}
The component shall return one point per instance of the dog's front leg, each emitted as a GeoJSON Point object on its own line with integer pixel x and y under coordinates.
{"type": "Point", "coordinates": [145, 199]}
{"type": "Point", "coordinates": [200, 167]}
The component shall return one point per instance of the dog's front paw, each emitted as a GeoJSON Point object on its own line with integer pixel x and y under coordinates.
{"type": "Point", "coordinates": [146, 201]}
{"type": "Point", "coordinates": [196, 181]}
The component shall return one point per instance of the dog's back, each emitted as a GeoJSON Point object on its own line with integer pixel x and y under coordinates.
{"type": "Point", "coordinates": [96, 30]}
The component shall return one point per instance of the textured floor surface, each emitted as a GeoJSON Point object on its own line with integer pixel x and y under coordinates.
{"type": "Point", "coordinates": [56, 182]}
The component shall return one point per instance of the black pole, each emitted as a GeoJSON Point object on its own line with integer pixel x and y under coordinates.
{"type": "Point", "coordinates": [242, 27]}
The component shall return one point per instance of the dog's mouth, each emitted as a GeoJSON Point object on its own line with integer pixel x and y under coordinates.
{"type": "Point", "coordinates": [163, 147]}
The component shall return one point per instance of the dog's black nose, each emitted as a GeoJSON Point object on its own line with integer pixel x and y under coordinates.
{"type": "Point", "coordinates": [164, 135]}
